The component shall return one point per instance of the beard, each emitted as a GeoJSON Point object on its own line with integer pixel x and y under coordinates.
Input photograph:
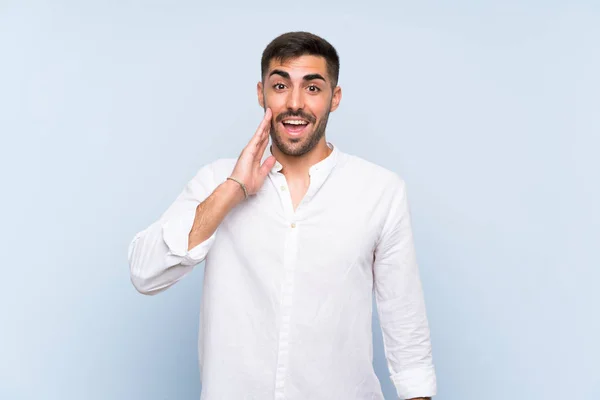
{"type": "Point", "coordinates": [298, 146]}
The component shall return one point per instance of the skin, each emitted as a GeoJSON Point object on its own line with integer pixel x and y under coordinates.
{"type": "Point", "coordinates": [286, 90]}
{"type": "Point", "coordinates": [299, 87]}
{"type": "Point", "coordinates": [248, 170]}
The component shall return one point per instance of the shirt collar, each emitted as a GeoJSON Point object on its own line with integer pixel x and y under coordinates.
{"type": "Point", "coordinates": [322, 167]}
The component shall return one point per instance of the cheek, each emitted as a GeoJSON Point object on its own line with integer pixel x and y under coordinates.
{"type": "Point", "coordinates": [320, 101]}
{"type": "Point", "coordinates": [274, 99]}
{"type": "Point", "coordinates": [320, 107]}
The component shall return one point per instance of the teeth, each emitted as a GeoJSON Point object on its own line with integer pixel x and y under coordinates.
{"type": "Point", "coordinates": [295, 122]}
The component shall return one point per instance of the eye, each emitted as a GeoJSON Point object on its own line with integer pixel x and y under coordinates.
{"type": "Point", "coordinates": [314, 89]}
{"type": "Point", "coordinates": [279, 86]}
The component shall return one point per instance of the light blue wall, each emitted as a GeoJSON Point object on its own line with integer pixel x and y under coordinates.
{"type": "Point", "coordinates": [489, 111]}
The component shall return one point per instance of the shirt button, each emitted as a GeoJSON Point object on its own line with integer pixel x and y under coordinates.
{"type": "Point", "coordinates": [293, 225]}
{"type": "Point", "coordinates": [282, 188]}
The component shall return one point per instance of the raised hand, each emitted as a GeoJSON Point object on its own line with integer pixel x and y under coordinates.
{"type": "Point", "coordinates": [248, 169]}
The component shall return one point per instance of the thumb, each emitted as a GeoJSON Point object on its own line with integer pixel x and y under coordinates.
{"type": "Point", "coordinates": [267, 166]}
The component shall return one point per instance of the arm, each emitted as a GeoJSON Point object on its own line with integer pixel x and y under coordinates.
{"type": "Point", "coordinates": [400, 303]}
{"type": "Point", "coordinates": [168, 249]}
{"type": "Point", "coordinates": [212, 211]}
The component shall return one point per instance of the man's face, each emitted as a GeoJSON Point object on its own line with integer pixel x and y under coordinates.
{"type": "Point", "coordinates": [300, 96]}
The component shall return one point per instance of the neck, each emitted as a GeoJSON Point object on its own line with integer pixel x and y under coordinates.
{"type": "Point", "coordinates": [298, 166]}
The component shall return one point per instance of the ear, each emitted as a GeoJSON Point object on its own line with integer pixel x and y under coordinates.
{"type": "Point", "coordinates": [259, 93]}
{"type": "Point", "coordinates": [336, 98]}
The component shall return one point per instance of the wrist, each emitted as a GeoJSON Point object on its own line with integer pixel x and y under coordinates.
{"type": "Point", "coordinates": [233, 191]}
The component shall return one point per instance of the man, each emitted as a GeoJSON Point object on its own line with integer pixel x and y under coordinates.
{"type": "Point", "coordinates": [295, 244]}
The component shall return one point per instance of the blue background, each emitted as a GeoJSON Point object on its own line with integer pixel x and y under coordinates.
{"type": "Point", "coordinates": [489, 110]}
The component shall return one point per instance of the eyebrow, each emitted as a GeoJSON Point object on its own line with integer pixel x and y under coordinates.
{"type": "Point", "coordinates": [285, 75]}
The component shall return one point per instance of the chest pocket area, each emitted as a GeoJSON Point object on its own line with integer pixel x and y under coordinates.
{"type": "Point", "coordinates": [337, 244]}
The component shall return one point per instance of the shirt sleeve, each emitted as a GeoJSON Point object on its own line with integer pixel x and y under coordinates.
{"type": "Point", "coordinates": [400, 302]}
{"type": "Point", "coordinates": [158, 255]}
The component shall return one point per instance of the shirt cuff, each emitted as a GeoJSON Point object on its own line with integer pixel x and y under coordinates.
{"type": "Point", "coordinates": [416, 382]}
{"type": "Point", "coordinates": [176, 236]}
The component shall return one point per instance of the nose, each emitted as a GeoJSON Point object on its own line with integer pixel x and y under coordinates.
{"type": "Point", "coordinates": [295, 100]}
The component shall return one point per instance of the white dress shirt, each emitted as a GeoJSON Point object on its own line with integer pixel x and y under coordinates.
{"type": "Point", "coordinates": [287, 296]}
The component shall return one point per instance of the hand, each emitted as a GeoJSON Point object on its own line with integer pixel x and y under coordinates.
{"type": "Point", "coordinates": [248, 169]}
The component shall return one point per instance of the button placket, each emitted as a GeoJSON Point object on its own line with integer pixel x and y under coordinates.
{"type": "Point", "coordinates": [287, 287]}
{"type": "Point", "coordinates": [286, 305]}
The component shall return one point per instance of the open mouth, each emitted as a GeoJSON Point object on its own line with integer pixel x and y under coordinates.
{"type": "Point", "coordinates": [295, 126]}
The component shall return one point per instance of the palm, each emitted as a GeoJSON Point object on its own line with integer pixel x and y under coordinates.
{"type": "Point", "coordinates": [248, 168]}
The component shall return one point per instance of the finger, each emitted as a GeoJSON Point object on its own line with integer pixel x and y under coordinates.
{"type": "Point", "coordinates": [267, 166]}
{"type": "Point", "coordinates": [264, 124]}
{"type": "Point", "coordinates": [256, 141]}
{"type": "Point", "coordinates": [266, 127]}
{"type": "Point", "coordinates": [265, 133]}
{"type": "Point", "coordinates": [262, 146]}
{"type": "Point", "coordinates": [257, 147]}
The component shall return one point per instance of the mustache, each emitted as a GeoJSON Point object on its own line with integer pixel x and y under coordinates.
{"type": "Point", "coordinates": [297, 114]}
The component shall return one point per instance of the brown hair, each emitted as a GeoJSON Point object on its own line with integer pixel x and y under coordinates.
{"type": "Point", "coordinates": [295, 44]}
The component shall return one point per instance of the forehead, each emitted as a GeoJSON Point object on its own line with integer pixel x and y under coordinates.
{"type": "Point", "coordinates": [299, 66]}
